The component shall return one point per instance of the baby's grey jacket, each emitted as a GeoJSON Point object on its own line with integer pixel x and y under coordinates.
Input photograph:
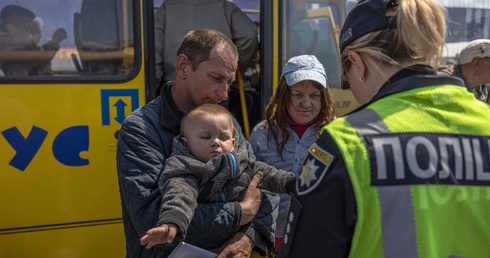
{"type": "Point", "coordinates": [186, 181]}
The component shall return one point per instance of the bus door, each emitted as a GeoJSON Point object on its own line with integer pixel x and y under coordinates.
{"type": "Point", "coordinates": [297, 27]}
{"type": "Point", "coordinates": [70, 72]}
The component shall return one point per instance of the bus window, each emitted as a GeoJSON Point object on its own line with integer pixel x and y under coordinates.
{"type": "Point", "coordinates": [66, 38]}
{"type": "Point", "coordinates": [250, 7]}
{"type": "Point", "coordinates": [102, 37]}
{"type": "Point", "coordinates": [311, 29]}
{"type": "Point", "coordinates": [467, 21]}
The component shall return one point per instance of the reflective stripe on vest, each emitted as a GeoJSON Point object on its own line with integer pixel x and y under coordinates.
{"type": "Point", "coordinates": [397, 216]}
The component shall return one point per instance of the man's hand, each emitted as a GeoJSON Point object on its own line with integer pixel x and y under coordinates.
{"type": "Point", "coordinates": [163, 234]}
{"type": "Point", "coordinates": [239, 246]}
{"type": "Point", "coordinates": [251, 203]}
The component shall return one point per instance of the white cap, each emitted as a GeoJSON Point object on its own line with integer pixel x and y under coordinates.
{"type": "Point", "coordinates": [303, 68]}
{"type": "Point", "coordinates": [476, 48]}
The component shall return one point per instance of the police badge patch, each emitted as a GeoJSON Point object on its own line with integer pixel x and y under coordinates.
{"type": "Point", "coordinates": [315, 167]}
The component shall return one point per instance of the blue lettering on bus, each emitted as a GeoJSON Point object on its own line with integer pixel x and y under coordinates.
{"type": "Point", "coordinates": [343, 104]}
{"type": "Point", "coordinates": [25, 148]}
{"type": "Point", "coordinates": [67, 145]}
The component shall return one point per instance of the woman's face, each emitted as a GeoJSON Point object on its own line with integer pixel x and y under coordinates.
{"type": "Point", "coordinates": [305, 103]}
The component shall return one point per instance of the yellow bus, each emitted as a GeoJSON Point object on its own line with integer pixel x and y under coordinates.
{"type": "Point", "coordinates": [70, 72]}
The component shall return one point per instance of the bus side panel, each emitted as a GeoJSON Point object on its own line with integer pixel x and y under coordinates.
{"type": "Point", "coordinates": [58, 132]}
{"type": "Point", "coordinates": [57, 166]}
{"type": "Point", "coordinates": [95, 241]}
{"type": "Point", "coordinates": [344, 101]}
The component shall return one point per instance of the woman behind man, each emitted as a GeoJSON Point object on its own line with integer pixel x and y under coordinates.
{"type": "Point", "coordinates": [298, 110]}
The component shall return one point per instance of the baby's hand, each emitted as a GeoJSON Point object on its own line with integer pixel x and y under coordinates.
{"type": "Point", "coordinates": [159, 235]}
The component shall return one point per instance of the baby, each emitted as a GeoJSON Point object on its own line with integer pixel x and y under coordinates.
{"type": "Point", "coordinates": [205, 167]}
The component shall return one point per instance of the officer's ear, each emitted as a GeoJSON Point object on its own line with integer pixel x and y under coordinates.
{"type": "Point", "coordinates": [358, 63]}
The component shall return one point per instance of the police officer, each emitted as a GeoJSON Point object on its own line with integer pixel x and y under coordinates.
{"type": "Point", "coordinates": [408, 173]}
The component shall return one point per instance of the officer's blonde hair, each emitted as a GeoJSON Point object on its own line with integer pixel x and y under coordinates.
{"type": "Point", "coordinates": [419, 37]}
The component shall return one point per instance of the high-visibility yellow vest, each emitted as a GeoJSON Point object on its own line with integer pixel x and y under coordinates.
{"type": "Point", "coordinates": [419, 162]}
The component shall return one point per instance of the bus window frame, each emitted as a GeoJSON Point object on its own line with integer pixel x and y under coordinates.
{"type": "Point", "coordinates": [79, 77]}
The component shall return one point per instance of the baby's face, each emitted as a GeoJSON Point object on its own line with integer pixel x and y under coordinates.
{"type": "Point", "coordinates": [208, 137]}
